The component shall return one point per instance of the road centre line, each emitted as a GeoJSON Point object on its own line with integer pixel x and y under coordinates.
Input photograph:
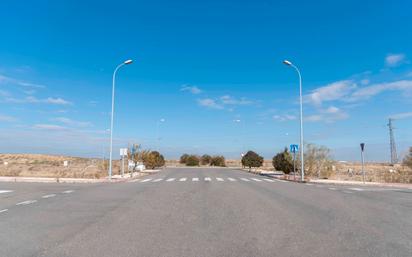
{"type": "Point", "coordinates": [255, 179]}
{"type": "Point", "coordinates": [26, 202]}
{"type": "Point", "coordinates": [244, 179]}
{"type": "Point", "coordinates": [48, 196]}
{"type": "Point", "coordinates": [208, 179]}
{"type": "Point", "coordinates": [356, 189]}
{"type": "Point", "coordinates": [4, 210]}
{"type": "Point", "coordinates": [157, 180]}
{"type": "Point", "coordinates": [220, 179]}
{"type": "Point", "coordinates": [170, 179]}
{"type": "Point", "coordinates": [5, 191]}
{"type": "Point", "coordinates": [269, 180]}
{"type": "Point", "coordinates": [231, 179]}
{"type": "Point", "coordinates": [183, 179]}
{"type": "Point", "coordinates": [146, 180]}
{"type": "Point", "coordinates": [195, 179]}
{"type": "Point", "coordinates": [68, 191]}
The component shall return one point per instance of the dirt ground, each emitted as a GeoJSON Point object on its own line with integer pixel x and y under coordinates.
{"type": "Point", "coordinates": [39, 165]}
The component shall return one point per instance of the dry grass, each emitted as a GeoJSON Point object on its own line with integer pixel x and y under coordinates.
{"type": "Point", "coordinates": [39, 165]}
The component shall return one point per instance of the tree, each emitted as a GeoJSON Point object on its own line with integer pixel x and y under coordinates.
{"type": "Point", "coordinates": [252, 159]}
{"type": "Point", "coordinates": [317, 161]}
{"type": "Point", "coordinates": [218, 161]}
{"type": "Point", "coordinates": [192, 160]}
{"type": "Point", "coordinates": [154, 160]}
{"type": "Point", "coordinates": [408, 159]}
{"type": "Point", "coordinates": [283, 161]}
{"type": "Point", "coordinates": [206, 159]}
{"type": "Point", "coordinates": [183, 158]}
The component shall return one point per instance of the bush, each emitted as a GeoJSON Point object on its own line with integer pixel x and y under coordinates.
{"type": "Point", "coordinates": [183, 158]}
{"type": "Point", "coordinates": [317, 161]}
{"type": "Point", "coordinates": [252, 159]}
{"type": "Point", "coordinates": [154, 160]}
{"type": "Point", "coordinates": [408, 159]}
{"type": "Point", "coordinates": [192, 160]}
{"type": "Point", "coordinates": [218, 161]}
{"type": "Point", "coordinates": [283, 161]}
{"type": "Point", "coordinates": [206, 159]}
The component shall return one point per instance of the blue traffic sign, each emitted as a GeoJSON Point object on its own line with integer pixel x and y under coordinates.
{"type": "Point", "coordinates": [294, 148]}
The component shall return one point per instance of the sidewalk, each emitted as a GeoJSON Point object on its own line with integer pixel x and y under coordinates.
{"type": "Point", "coordinates": [359, 183]}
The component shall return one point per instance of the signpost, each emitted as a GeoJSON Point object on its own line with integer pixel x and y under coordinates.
{"type": "Point", "coordinates": [123, 153]}
{"type": "Point", "coordinates": [294, 149]}
{"type": "Point", "coordinates": [362, 146]}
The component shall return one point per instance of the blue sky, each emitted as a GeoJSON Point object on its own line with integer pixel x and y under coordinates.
{"type": "Point", "coordinates": [211, 69]}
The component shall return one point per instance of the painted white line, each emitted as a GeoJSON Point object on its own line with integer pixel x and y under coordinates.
{"type": "Point", "coordinates": [231, 179]}
{"type": "Point", "coordinates": [157, 180]}
{"type": "Point", "coordinates": [269, 180]}
{"type": "Point", "coordinates": [48, 196]}
{"type": "Point", "coordinates": [258, 180]}
{"type": "Point", "coordinates": [244, 179]}
{"type": "Point", "coordinates": [146, 180]}
{"type": "Point", "coordinates": [220, 179]}
{"type": "Point", "coordinates": [5, 191]}
{"type": "Point", "coordinates": [309, 184]}
{"type": "Point", "coordinates": [27, 202]}
{"type": "Point", "coordinates": [348, 192]}
{"type": "Point", "coordinates": [195, 179]}
{"type": "Point", "coordinates": [170, 179]}
{"type": "Point", "coordinates": [208, 179]}
{"type": "Point", "coordinates": [1, 211]}
{"type": "Point", "coordinates": [279, 180]}
{"type": "Point", "coordinates": [183, 179]}
{"type": "Point", "coordinates": [356, 189]}
{"type": "Point", "coordinates": [332, 188]}
{"type": "Point", "coordinates": [68, 191]}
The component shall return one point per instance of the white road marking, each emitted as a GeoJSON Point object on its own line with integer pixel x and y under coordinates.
{"type": "Point", "coordinates": [157, 180]}
{"type": "Point", "coordinates": [48, 196]}
{"type": "Point", "coordinates": [68, 191]}
{"type": "Point", "coordinates": [146, 180]}
{"type": "Point", "coordinates": [269, 180]}
{"type": "Point", "coordinates": [1, 211]}
{"type": "Point", "coordinates": [195, 179]}
{"type": "Point", "coordinates": [258, 180]}
{"type": "Point", "coordinates": [208, 179]}
{"type": "Point", "coordinates": [332, 188]}
{"type": "Point", "coordinates": [183, 179]}
{"type": "Point", "coordinates": [356, 189]}
{"type": "Point", "coordinates": [134, 180]}
{"type": "Point", "coordinates": [5, 191]}
{"type": "Point", "coordinates": [279, 180]}
{"type": "Point", "coordinates": [244, 179]}
{"type": "Point", "coordinates": [309, 184]}
{"type": "Point", "coordinates": [220, 179]}
{"type": "Point", "coordinates": [231, 179]}
{"type": "Point", "coordinates": [170, 179]}
{"type": "Point", "coordinates": [348, 192]}
{"type": "Point", "coordinates": [27, 202]}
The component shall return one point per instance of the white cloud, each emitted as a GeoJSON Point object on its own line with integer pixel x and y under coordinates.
{"type": "Point", "coordinates": [404, 115]}
{"type": "Point", "coordinates": [229, 100]}
{"type": "Point", "coordinates": [331, 92]}
{"type": "Point", "coordinates": [365, 82]}
{"type": "Point", "coordinates": [210, 103]}
{"type": "Point", "coordinates": [286, 117]}
{"type": "Point", "coordinates": [52, 127]}
{"type": "Point", "coordinates": [35, 100]}
{"type": "Point", "coordinates": [370, 91]}
{"type": "Point", "coordinates": [73, 123]}
{"type": "Point", "coordinates": [328, 115]}
{"type": "Point", "coordinates": [18, 82]}
{"type": "Point", "coordinates": [6, 118]}
{"type": "Point", "coordinates": [392, 60]}
{"type": "Point", "coordinates": [192, 89]}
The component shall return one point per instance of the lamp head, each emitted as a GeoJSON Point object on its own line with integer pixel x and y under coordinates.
{"type": "Point", "coordinates": [287, 62]}
{"type": "Point", "coordinates": [128, 61]}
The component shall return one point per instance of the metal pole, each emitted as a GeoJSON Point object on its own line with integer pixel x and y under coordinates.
{"type": "Point", "coordinates": [111, 121]}
{"type": "Point", "coordinates": [363, 170]}
{"type": "Point", "coordinates": [294, 165]}
{"type": "Point", "coordinates": [302, 163]}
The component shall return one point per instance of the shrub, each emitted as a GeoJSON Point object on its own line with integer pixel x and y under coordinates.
{"type": "Point", "coordinates": [317, 161]}
{"type": "Point", "coordinates": [192, 160]}
{"type": "Point", "coordinates": [206, 159]}
{"type": "Point", "coordinates": [218, 161]}
{"type": "Point", "coordinates": [408, 159]}
{"type": "Point", "coordinates": [183, 158]}
{"type": "Point", "coordinates": [252, 159]}
{"type": "Point", "coordinates": [154, 160]}
{"type": "Point", "coordinates": [283, 161]}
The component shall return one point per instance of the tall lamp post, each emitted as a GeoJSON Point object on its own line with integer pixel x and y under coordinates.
{"type": "Point", "coordinates": [302, 164]}
{"type": "Point", "coordinates": [157, 133]}
{"type": "Point", "coordinates": [112, 114]}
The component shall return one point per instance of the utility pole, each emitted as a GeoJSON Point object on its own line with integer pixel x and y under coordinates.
{"type": "Point", "coordinates": [394, 155]}
{"type": "Point", "coordinates": [362, 145]}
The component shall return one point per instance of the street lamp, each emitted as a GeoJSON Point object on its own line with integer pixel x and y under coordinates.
{"type": "Point", "coordinates": [288, 63]}
{"type": "Point", "coordinates": [112, 114]}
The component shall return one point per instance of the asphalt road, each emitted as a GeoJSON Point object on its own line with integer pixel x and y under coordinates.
{"type": "Point", "coordinates": [203, 212]}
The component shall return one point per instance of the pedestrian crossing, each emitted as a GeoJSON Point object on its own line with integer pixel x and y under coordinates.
{"type": "Point", "coordinates": [205, 179]}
